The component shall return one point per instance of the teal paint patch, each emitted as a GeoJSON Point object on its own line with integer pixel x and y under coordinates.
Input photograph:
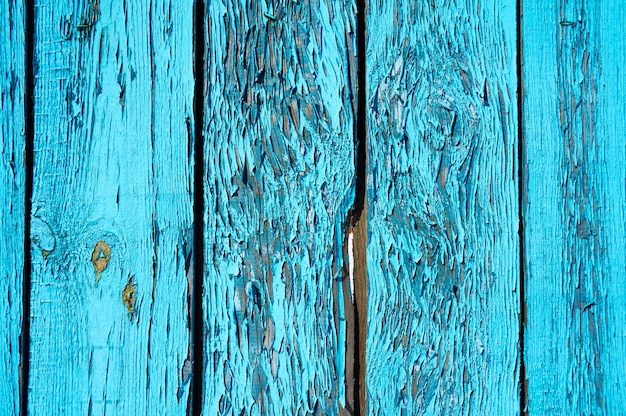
{"type": "Point", "coordinates": [279, 154]}
{"type": "Point", "coordinates": [12, 188]}
{"type": "Point", "coordinates": [112, 208]}
{"type": "Point", "coordinates": [574, 123]}
{"type": "Point", "coordinates": [443, 250]}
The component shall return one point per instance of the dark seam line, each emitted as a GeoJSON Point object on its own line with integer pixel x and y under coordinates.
{"type": "Point", "coordinates": [361, 125]}
{"type": "Point", "coordinates": [29, 136]}
{"type": "Point", "coordinates": [360, 193]}
{"type": "Point", "coordinates": [197, 390]}
{"type": "Point", "coordinates": [523, 386]}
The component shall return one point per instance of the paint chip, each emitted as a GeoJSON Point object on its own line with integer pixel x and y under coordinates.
{"type": "Point", "coordinates": [100, 258]}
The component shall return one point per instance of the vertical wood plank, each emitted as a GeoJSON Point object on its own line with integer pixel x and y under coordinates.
{"type": "Point", "coordinates": [443, 248]}
{"type": "Point", "coordinates": [112, 207]}
{"type": "Point", "coordinates": [12, 187]}
{"type": "Point", "coordinates": [279, 154]}
{"type": "Point", "coordinates": [575, 194]}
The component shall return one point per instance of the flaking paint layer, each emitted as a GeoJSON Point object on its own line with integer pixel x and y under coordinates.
{"type": "Point", "coordinates": [113, 162]}
{"type": "Point", "coordinates": [575, 199]}
{"type": "Point", "coordinates": [279, 174]}
{"type": "Point", "coordinates": [12, 188]}
{"type": "Point", "coordinates": [442, 249]}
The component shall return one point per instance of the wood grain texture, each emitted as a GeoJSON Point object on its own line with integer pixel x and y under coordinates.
{"type": "Point", "coordinates": [112, 208]}
{"type": "Point", "coordinates": [443, 249]}
{"type": "Point", "coordinates": [575, 198]}
{"type": "Point", "coordinates": [12, 188]}
{"type": "Point", "coordinates": [279, 154]}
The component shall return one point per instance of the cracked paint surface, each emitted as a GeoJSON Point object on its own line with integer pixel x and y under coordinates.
{"type": "Point", "coordinates": [443, 250]}
{"type": "Point", "coordinates": [113, 191]}
{"type": "Point", "coordinates": [279, 164]}
{"type": "Point", "coordinates": [575, 198]}
{"type": "Point", "coordinates": [112, 196]}
{"type": "Point", "coordinates": [12, 188]}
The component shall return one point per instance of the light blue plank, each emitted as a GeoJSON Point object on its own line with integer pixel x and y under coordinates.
{"type": "Point", "coordinates": [279, 154]}
{"type": "Point", "coordinates": [443, 248]}
{"type": "Point", "coordinates": [12, 174]}
{"type": "Point", "coordinates": [575, 206]}
{"type": "Point", "coordinates": [110, 323]}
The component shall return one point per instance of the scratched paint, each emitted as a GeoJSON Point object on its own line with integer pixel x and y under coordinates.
{"type": "Point", "coordinates": [112, 208]}
{"type": "Point", "coordinates": [12, 175]}
{"type": "Point", "coordinates": [279, 173]}
{"type": "Point", "coordinates": [574, 124]}
{"type": "Point", "coordinates": [443, 250]}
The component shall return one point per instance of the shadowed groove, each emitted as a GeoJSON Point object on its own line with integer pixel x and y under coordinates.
{"type": "Point", "coordinates": [359, 219]}
{"type": "Point", "coordinates": [198, 210]}
{"type": "Point", "coordinates": [520, 195]}
{"type": "Point", "coordinates": [29, 124]}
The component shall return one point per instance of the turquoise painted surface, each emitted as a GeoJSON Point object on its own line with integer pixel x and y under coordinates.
{"type": "Point", "coordinates": [443, 249]}
{"type": "Point", "coordinates": [112, 208]}
{"type": "Point", "coordinates": [279, 173]}
{"type": "Point", "coordinates": [12, 177]}
{"type": "Point", "coordinates": [575, 196]}
{"type": "Point", "coordinates": [112, 242]}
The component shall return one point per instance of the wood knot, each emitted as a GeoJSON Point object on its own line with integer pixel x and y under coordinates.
{"type": "Point", "coordinates": [100, 258]}
{"type": "Point", "coordinates": [129, 296]}
{"type": "Point", "coordinates": [42, 236]}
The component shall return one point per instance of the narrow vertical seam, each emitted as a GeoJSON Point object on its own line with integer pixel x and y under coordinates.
{"type": "Point", "coordinates": [523, 384]}
{"type": "Point", "coordinates": [29, 135]}
{"type": "Point", "coordinates": [361, 125]}
{"type": "Point", "coordinates": [198, 209]}
{"type": "Point", "coordinates": [359, 216]}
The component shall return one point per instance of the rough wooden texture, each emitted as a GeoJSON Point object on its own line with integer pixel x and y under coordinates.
{"type": "Point", "coordinates": [12, 175]}
{"type": "Point", "coordinates": [279, 163]}
{"type": "Point", "coordinates": [443, 249]}
{"type": "Point", "coordinates": [575, 237]}
{"type": "Point", "coordinates": [112, 208]}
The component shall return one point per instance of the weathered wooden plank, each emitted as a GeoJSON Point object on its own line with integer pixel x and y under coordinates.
{"type": "Point", "coordinates": [12, 188]}
{"type": "Point", "coordinates": [575, 235]}
{"type": "Point", "coordinates": [443, 249]}
{"type": "Point", "coordinates": [279, 163]}
{"type": "Point", "coordinates": [112, 207]}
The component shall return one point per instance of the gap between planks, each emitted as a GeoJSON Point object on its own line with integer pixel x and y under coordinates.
{"type": "Point", "coordinates": [521, 158]}
{"type": "Point", "coordinates": [29, 136]}
{"type": "Point", "coordinates": [356, 234]}
{"type": "Point", "coordinates": [197, 390]}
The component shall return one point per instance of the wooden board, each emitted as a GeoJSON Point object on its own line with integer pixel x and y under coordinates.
{"type": "Point", "coordinates": [279, 181]}
{"type": "Point", "coordinates": [12, 188]}
{"type": "Point", "coordinates": [574, 123]}
{"type": "Point", "coordinates": [112, 208]}
{"type": "Point", "coordinates": [443, 249]}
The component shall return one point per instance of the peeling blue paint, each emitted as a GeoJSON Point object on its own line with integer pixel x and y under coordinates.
{"type": "Point", "coordinates": [112, 172]}
{"type": "Point", "coordinates": [574, 123]}
{"type": "Point", "coordinates": [111, 223]}
{"type": "Point", "coordinates": [12, 188]}
{"type": "Point", "coordinates": [442, 250]}
{"type": "Point", "coordinates": [279, 154]}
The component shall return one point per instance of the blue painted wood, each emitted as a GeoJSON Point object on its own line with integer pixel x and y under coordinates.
{"type": "Point", "coordinates": [279, 164]}
{"type": "Point", "coordinates": [112, 208]}
{"type": "Point", "coordinates": [575, 197]}
{"type": "Point", "coordinates": [443, 249]}
{"type": "Point", "coordinates": [12, 175]}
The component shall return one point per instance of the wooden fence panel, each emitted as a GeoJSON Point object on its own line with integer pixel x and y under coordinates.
{"type": "Point", "coordinates": [575, 238]}
{"type": "Point", "coordinates": [279, 181]}
{"type": "Point", "coordinates": [112, 208]}
{"type": "Point", "coordinates": [111, 225]}
{"type": "Point", "coordinates": [12, 187]}
{"type": "Point", "coordinates": [443, 249]}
